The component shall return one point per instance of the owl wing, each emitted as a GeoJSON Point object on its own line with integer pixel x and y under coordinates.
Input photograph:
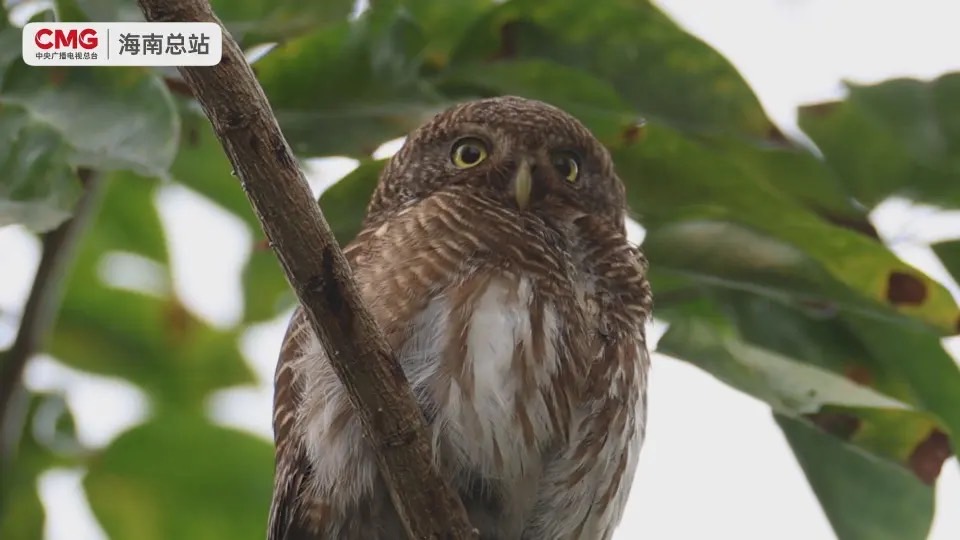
{"type": "Point", "coordinates": [586, 483]}
{"type": "Point", "coordinates": [288, 519]}
{"type": "Point", "coordinates": [294, 514]}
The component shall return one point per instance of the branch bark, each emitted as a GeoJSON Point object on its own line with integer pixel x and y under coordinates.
{"type": "Point", "coordinates": [316, 269]}
{"type": "Point", "coordinates": [39, 312]}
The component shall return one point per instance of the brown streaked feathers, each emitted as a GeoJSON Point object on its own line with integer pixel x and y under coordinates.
{"type": "Point", "coordinates": [494, 256]}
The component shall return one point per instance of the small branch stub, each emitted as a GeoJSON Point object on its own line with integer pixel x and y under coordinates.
{"type": "Point", "coordinates": [319, 274]}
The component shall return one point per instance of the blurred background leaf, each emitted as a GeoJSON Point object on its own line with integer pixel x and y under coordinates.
{"type": "Point", "coordinates": [180, 477]}
{"type": "Point", "coordinates": [766, 264]}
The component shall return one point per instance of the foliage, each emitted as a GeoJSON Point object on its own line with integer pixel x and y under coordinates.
{"type": "Point", "coordinates": [764, 261]}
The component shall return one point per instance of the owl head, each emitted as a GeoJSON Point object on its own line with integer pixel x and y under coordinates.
{"type": "Point", "coordinates": [527, 156]}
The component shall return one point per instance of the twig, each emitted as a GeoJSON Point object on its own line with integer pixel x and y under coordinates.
{"type": "Point", "coordinates": [319, 274]}
{"type": "Point", "coordinates": [39, 312]}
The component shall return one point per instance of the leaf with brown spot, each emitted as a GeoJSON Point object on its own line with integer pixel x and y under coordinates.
{"type": "Point", "coordinates": [888, 433]}
{"type": "Point", "coordinates": [904, 289]}
{"type": "Point", "coordinates": [749, 218]}
{"type": "Point", "coordinates": [840, 425]}
{"type": "Point", "coordinates": [928, 458]}
{"type": "Point", "coordinates": [859, 374]}
{"type": "Point", "coordinates": [918, 360]}
{"type": "Point", "coordinates": [634, 133]}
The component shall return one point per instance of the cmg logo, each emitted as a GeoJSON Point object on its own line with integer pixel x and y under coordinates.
{"type": "Point", "coordinates": [47, 38]}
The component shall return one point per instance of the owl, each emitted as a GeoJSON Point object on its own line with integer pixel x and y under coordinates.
{"type": "Point", "coordinates": [494, 257]}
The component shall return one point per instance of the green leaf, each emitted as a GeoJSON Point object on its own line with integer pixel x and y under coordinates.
{"type": "Point", "coordinates": [817, 336]}
{"type": "Point", "coordinates": [257, 21]}
{"type": "Point", "coordinates": [920, 361]}
{"type": "Point", "coordinates": [949, 253]}
{"type": "Point", "coordinates": [202, 165]}
{"type": "Point", "coordinates": [181, 477]}
{"type": "Point", "coordinates": [128, 219]}
{"type": "Point", "coordinates": [37, 187]}
{"type": "Point", "coordinates": [789, 386]}
{"type": "Point", "coordinates": [73, 10]}
{"type": "Point", "coordinates": [444, 24]}
{"type": "Point", "coordinates": [99, 10]}
{"type": "Point", "coordinates": [250, 22]}
{"type": "Point", "coordinates": [901, 137]}
{"type": "Point", "coordinates": [152, 342]}
{"type": "Point", "coordinates": [344, 203]}
{"type": "Point", "coordinates": [47, 439]}
{"type": "Point", "coordinates": [378, 94]}
{"type": "Point", "coordinates": [23, 515]}
{"type": "Point", "coordinates": [83, 106]}
{"type": "Point", "coordinates": [266, 292]}
{"type": "Point", "coordinates": [864, 497]}
{"type": "Point", "coordinates": [593, 101]}
{"type": "Point", "coordinates": [632, 45]}
{"type": "Point", "coordinates": [712, 217]}
{"type": "Point", "coordinates": [149, 338]}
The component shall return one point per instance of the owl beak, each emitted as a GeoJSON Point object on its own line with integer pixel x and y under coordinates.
{"type": "Point", "coordinates": [522, 184]}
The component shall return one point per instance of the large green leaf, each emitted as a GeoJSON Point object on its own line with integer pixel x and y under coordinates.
{"type": "Point", "coordinates": [921, 363]}
{"type": "Point", "coordinates": [83, 106]}
{"type": "Point", "coordinates": [378, 95]}
{"type": "Point", "coordinates": [808, 373]}
{"type": "Point", "coordinates": [53, 120]}
{"type": "Point", "coordinates": [250, 22]}
{"type": "Point", "coordinates": [181, 477]}
{"type": "Point", "coordinates": [789, 386]}
{"type": "Point", "coordinates": [258, 21]}
{"type": "Point", "coordinates": [149, 338]}
{"type": "Point", "coordinates": [711, 217]}
{"type": "Point", "coordinates": [37, 187]}
{"type": "Point", "coordinates": [444, 24]}
{"type": "Point", "coordinates": [592, 100]}
{"type": "Point", "coordinates": [864, 497]}
{"type": "Point", "coordinates": [900, 137]}
{"type": "Point", "coordinates": [820, 338]}
{"type": "Point", "coordinates": [812, 334]}
{"type": "Point", "coordinates": [631, 45]}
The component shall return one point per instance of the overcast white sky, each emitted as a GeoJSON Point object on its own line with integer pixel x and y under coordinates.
{"type": "Point", "coordinates": [714, 464]}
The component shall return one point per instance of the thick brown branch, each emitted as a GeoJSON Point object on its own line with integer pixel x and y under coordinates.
{"type": "Point", "coordinates": [317, 270]}
{"type": "Point", "coordinates": [39, 312]}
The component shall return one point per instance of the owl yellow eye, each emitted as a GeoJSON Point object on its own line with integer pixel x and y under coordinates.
{"type": "Point", "coordinates": [567, 165]}
{"type": "Point", "coordinates": [468, 153]}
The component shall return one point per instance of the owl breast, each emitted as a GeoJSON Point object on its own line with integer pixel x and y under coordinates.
{"type": "Point", "coordinates": [482, 359]}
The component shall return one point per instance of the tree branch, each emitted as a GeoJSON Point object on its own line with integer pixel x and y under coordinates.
{"type": "Point", "coordinates": [319, 274]}
{"type": "Point", "coordinates": [39, 313]}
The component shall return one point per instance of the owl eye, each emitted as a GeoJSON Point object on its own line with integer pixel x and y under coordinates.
{"type": "Point", "coordinates": [468, 152]}
{"type": "Point", "coordinates": [567, 165]}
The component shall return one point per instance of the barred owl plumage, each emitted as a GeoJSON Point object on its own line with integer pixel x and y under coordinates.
{"type": "Point", "coordinates": [494, 257]}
